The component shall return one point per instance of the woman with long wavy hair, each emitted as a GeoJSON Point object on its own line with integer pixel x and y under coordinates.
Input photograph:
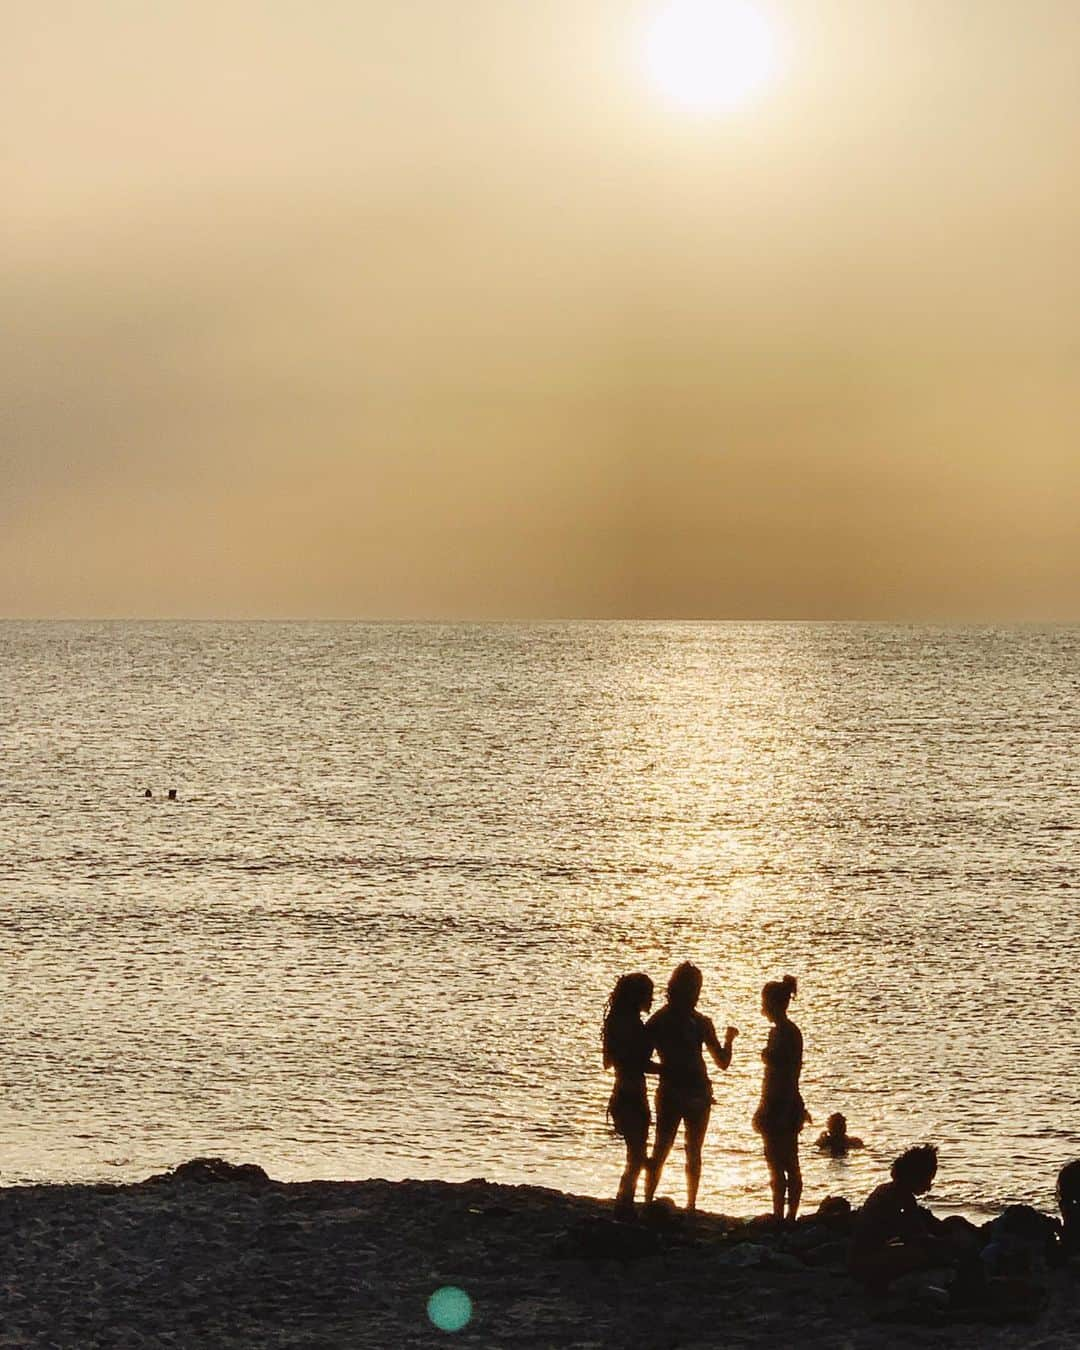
{"type": "Point", "coordinates": [627, 1050]}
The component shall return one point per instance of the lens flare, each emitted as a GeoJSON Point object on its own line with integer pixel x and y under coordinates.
{"type": "Point", "coordinates": [450, 1309]}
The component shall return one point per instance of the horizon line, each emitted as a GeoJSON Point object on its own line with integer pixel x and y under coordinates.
{"type": "Point", "coordinates": [517, 621]}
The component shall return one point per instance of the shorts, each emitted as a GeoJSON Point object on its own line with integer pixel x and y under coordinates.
{"type": "Point", "coordinates": [781, 1120]}
{"type": "Point", "coordinates": [629, 1112]}
{"type": "Point", "coordinates": [676, 1102]}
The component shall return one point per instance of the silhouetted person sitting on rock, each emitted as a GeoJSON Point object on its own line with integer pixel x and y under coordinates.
{"type": "Point", "coordinates": [835, 1140]}
{"type": "Point", "coordinates": [781, 1112]}
{"type": "Point", "coordinates": [893, 1234]}
{"type": "Point", "coordinates": [627, 1050]}
{"type": "Point", "coordinates": [679, 1032]}
{"type": "Point", "coordinates": [1068, 1198]}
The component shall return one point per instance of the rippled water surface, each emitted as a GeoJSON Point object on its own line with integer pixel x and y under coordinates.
{"type": "Point", "coordinates": [375, 933]}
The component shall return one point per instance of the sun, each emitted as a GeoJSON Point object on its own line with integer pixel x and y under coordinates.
{"type": "Point", "coordinates": [711, 56]}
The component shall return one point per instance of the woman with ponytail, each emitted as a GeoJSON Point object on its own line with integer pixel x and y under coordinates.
{"type": "Point", "coordinates": [781, 1113]}
{"type": "Point", "coordinates": [627, 1049]}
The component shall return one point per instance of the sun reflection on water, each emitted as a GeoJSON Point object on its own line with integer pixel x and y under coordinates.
{"type": "Point", "coordinates": [377, 933]}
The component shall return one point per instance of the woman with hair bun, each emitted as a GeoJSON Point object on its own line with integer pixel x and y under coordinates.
{"type": "Point", "coordinates": [781, 1113]}
{"type": "Point", "coordinates": [627, 1048]}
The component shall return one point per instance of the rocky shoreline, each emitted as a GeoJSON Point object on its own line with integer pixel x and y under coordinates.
{"type": "Point", "coordinates": [213, 1256]}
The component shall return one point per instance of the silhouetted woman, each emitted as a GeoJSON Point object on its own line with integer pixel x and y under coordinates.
{"type": "Point", "coordinates": [627, 1050]}
{"type": "Point", "coordinates": [781, 1113]}
{"type": "Point", "coordinates": [1068, 1197]}
{"type": "Point", "coordinates": [679, 1032]}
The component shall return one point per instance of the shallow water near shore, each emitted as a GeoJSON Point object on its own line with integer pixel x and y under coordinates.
{"type": "Point", "coordinates": [374, 935]}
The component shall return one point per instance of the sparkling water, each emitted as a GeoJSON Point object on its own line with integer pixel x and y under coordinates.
{"type": "Point", "coordinates": [374, 934]}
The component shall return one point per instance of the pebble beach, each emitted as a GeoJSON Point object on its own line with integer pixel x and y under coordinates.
{"type": "Point", "coordinates": [215, 1256]}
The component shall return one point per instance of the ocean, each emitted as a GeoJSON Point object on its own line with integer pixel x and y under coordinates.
{"type": "Point", "coordinates": [374, 934]}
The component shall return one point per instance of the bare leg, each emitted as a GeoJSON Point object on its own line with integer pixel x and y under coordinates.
{"type": "Point", "coordinates": [794, 1181]}
{"type": "Point", "coordinates": [777, 1183]}
{"type": "Point", "coordinates": [777, 1178]}
{"type": "Point", "coordinates": [694, 1136]}
{"type": "Point", "coordinates": [636, 1158]}
{"type": "Point", "coordinates": [667, 1127]}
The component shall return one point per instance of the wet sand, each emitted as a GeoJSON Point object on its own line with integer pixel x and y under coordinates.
{"type": "Point", "coordinates": [257, 1263]}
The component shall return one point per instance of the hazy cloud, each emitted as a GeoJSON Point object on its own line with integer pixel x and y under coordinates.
{"type": "Point", "coordinates": [433, 309]}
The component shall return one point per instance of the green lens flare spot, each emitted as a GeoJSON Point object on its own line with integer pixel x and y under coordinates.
{"type": "Point", "coordinates": [450, 1309]}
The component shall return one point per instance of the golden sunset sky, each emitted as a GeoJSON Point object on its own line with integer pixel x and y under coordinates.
{"type": "Point", "coordinates": [443, 308]}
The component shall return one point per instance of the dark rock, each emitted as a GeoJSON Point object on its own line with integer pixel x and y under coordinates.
{"type": "Point", "coordinates": [920, 1298]}
{"type": "Point", "coordinates": [495, 1212]}
{"type": "Point", "coordinates": [784, 1261]}
{"type": "Point", "coordinates": [743, 1255]}
{"type": "Point", "coordinates": [662, 1209]}
{"type": "Point", "coordinates": [1022, 1223]}
{"type": "Point", "coordinates": [605, 1240]}
{"type": "Point", "coordinates": [828, 1255]}
{"type": "Point", "coordinates": [206, 1170]}
{"type": "Point", "coordinates": [835, 1211]}
{"type": "Point", "coordinates": [1015, 1298]}
{"type": "Point", "coordinates": [808, 1235]}
{"type": "Point", "coordinates": [663, 1216]}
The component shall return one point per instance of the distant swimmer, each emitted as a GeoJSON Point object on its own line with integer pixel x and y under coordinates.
{"type": "Point", "coordinates": [148, 793]}
{"type": "Point", "coordinates": [172, 794]}
{"type": "Point", "coordinates": [835, 1139]}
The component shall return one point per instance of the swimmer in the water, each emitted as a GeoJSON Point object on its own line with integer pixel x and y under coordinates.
{"type": "Point", "coordinates": [679, 1033]}
{"type": "Point", "coordinates": [835, 1139]}
{"type": "Point", "coordinates": [148, 793]}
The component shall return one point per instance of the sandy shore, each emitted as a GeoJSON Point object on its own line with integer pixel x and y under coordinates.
{"type": "Point", "coordinates": [257, 1263]}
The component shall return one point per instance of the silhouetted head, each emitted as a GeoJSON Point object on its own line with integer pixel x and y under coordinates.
{"type": "Point", "coordinates": [684, 987]}
{"type": "Point", "coordinates": [148, 793]}
{"type": "Point", "coordinates": [837, 1124]}
{"type": "Point", "coordinates": [1068, 1195]}
{"type": "Point", "coordinates": [916, 1169]}
{"type": "Point", "coordinates": [632, 994]}
{"type": "Point", "coordinates": [172, 794]}
{"type": "Point", "coordinates": [776, 996]}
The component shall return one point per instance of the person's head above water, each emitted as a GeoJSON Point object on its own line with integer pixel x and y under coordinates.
{"type": "Point", "coordinates": [916, 1169]}
{"type": "Point", "coordinates": [684, 986]}
{"type": "Point", "coordinates": [1068, 1194]}
{"type": "Point", "coordinates": [776, 996]}
{"type": "Point", "coordinates": [837, 1123]}
{"type": "Point", "coordinates": [632, 994]}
